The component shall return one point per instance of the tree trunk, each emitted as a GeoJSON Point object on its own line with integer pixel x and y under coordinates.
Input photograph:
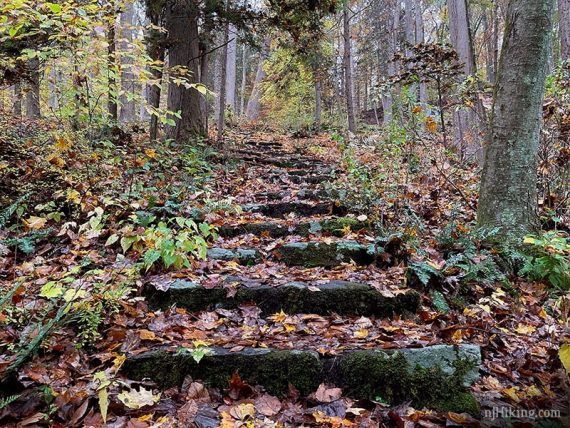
{"type": "Point", "coordinates": [387, 98]}
{"type": "Point", "coordinates": [17, 104]}
{"type": "Point", "coordinates": [347, 64]}
{"type": "Point", "coordinates": [155, 49]}
{"type": "Point", "coordinates": [418, 8]}
{"type": "Point", "coordinates": [466, 139]}
{"type": "Point", "coordinates": [128, 86]}
{"type": "Point", "coordinates": [112, 107]}
{"type": "Point", "coordinates": [318, 102]}
{"type": "Point", "coordinates": [564, 28]}
{"type": "Point", "coordinates": [231, 69]}
{"type": "Point", "coordinates": [253, 108]}
{"type": "Point", "coordinates": [223, 79]}
{"type": "Point", "coordinates": [243, 80]}
{"type": "Point", "coordinates": [33, 94]}
{"type": "Point", "coordinates": [184, 51]}
{"type": "Point", "coordinates": [508, 198]}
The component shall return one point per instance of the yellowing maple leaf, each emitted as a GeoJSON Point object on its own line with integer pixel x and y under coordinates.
{"type": "Point", "coordinates": [564, 355]}
{"type": "Point", "coordinates": [35, 223]}
{"type": "Point", "coordinates": [278, 317]}
{"type": "Point", "coordinates": [61, 144]}
{"type": "Point", "coordinates": [431, 125]}
{"type": "Point", "coordinates": [361, 333]}
{"type": "Point", "coordinates": [151, 153]}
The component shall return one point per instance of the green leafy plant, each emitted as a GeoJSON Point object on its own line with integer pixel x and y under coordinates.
{"type": "Point", "coordinates": [173, 244]}
{"type": "Point", "coordinates": [548, 259]}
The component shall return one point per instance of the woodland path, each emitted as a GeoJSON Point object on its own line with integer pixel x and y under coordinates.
{"type": "Point", "coordinates": [298, 292]}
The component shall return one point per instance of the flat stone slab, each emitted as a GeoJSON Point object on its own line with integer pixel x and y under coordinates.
{"type": "Point", "coordinates": [435, 377]}
{"type": "Point", "coordinates": [243, 256]}
{"type": "Point", "coordinates": [281, 209]}
{"type": "Point", "coordinates": [333, 226]}
{"type": "Point", "coordinates": [314, 254]}
{"type": "Point", "coordinates": [340, 297]}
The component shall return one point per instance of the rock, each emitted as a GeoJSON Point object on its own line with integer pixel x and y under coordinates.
{"type": "Point", "coordinates": [434, 377]}
{"type": "Point", "coordinates": [281, 209]}
{"type": "Point", "coordinates": [341, 297]}
{"type": "Point", "coordinates": [243, 256]}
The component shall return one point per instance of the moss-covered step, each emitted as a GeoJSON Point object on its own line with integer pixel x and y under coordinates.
{"type": "Point", "coordinates": [257, 366]}
{"type": "Point", "coordinates": [281, 209]}
{"type": "Point", "coordinates": [299, 179]}
{"type": "Point", "coordinates": [436, 376]}
{"type": "Point", "coordinates": [244, 256]}
{"type": "Point", "coordinates": [314, 254]}
{"type": "Point", "coordinates": [340, 297]}
{"type": "Point", "coordinates": [332, 226]}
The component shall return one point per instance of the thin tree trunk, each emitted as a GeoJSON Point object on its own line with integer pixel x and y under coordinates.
{"type": "Point", "coordinates": [508, 197]}
{"type": "Point", "coordinates": [387, 98]}
{"type": "Point", "coordinates": [17, 104]}
{"type": "Point", "coordinates": [564, 28]}
{"type": "Point", "coordinates": [155, 45]}
{"type": "Point", "coordinates": [347, 63]}
{"type": "Point", "coordinates": [318, 102]}
{"type": "Point", "coordinates": [231, 69]}
{"type": "Point", "coordinates": [466, 139]}
{"type": "Point", "coordinates": [223, 76]}
{"type": "Point", "coordinates": [418, 9]}
{"type": "Point", "coordinates": [112, 106]}
{"type": "Point", "coordinates": [33, 94]}
{"type": "Point", "coordinates": [243, 80]}
{"type": "Point", "coordinates": [253, 108]}
{"type": "Point", "coordinates": [128, 90]}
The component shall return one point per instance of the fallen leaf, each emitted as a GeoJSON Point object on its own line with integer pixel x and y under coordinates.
{"type": "Point", "coordinates": [134, 399]}
{"type": "Point", "coordinates": [268, 405]}
{"type": "Point", "coordinates": [327, 395]}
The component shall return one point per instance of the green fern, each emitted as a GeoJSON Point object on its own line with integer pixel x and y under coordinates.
{"type": "Point", "coordinates": [6, 401]}
{"type": "Point", "coordinates": [11, 209]}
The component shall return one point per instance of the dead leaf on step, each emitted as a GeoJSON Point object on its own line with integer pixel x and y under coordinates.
{"type": "Point", "coordinates": [325, 394]}
{"type": "Point", "coordinates": [134, 399]}
{"type": "Point", "coordinates": [268, 405]}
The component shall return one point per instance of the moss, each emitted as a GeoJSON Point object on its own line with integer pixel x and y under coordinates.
{"type": "Point", "coordinates": [461, 402]}
{"type": "Point", "coordinates": [272, 369]}
{"type": "Point", "coordinates": [392, 378]}
{"type": "Point", "coordinates": [314, 254]}
{"type": "Point", "coordinates": [337, 296]}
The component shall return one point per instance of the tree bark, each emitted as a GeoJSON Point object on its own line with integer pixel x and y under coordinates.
{"type": "Point", "coordinates": [387, 98]}
{"type": "Point", "coordinates": [155, 45]}
{"type": "Point", "coordinates": [508, 197]}
{"type": "Point", "coordinates": [17, 104]}
{"type": "Point", "coordinates": [466, 139]}
{"type": "Point", "coordinates": [347, 64]}
{"type": "Point", "coordinates": [231, 69]}
{"type": "Point", "coordinates": [243, 80]}
{"type": "Point", "coordinates": [253, 108]}
{"type": "Point", "coordinates": [318, 102]}
{"type": "Point", "coordinates": [223, 79]}
{"type": "Point", "coordinates": [112, 107]}
{"type": "Point", "coordinates": [564, 28]}
{"type": "Point", "coordinates": [33, 94]}
{"type": "Point", "coordinates": [418, 9]}
{"type": "Point", "coordinates": [128, 86]}
{"type": "Point", "coordinates": [184, 51]}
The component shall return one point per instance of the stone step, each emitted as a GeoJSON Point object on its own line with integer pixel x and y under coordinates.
{"type": "Point", "coordinates": [321, 254]}
{"type": "Point", "coordinates": [281, 209]}
{"type": "Point", "coordinates": [436, 376]}
{"type": "Point", "coordinates": [244, 256]}
{"type": "Point", "coordinates": [305, 163]}
{"type": "Point", "coordinates": [333, 226]}
{"type": "Point", "coordinates": [299, 179]}
{"type": "Point", "coordinates": [305, 193]}
{"type": "Point", "coordinates": [339, 297]}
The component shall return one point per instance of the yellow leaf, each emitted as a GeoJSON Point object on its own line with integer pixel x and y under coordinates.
{"type": "Point", "coordinates": [61, 144]}
{"type": "Point", "coordinates": [457, 336]}
{"type": "Point", "coordinates": [361, 333]}
{"type": "Point", "coordinates": [35, 223]}
{"type": "Point", "coordinates": [56, 161]}
{"type": "Point", "coordinates": [564, 355]}
{"type": "Point", "coordinates": [118, 361]}
{"type": "Point", "coordinates": [243, 411]}
{"type": "Point", "coordinates": [151, 153]}
{"type": "Point", "coordinates": [73, 196]}
{"type": "Point", "coordinates": [417, 109]}
{"type": "Point", "coordinates": [525, 329]}
{"type": "Point", "coordinates": [103, 403]}
{"type": "Point", "coordinates": [278, 317]}
{"type": "Point", "coordinates": [512, 394]}
{"type": "Point", "coordinates": [431, 125]}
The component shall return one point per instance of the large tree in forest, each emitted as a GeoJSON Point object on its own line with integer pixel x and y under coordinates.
{"type": "Point", "coordinates": [508, 198]}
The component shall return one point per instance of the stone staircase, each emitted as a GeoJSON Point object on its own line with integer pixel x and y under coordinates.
{"type": "Point", "coordinates": [296, 230]}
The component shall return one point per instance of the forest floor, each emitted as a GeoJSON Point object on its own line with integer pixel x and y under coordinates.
{"type": "Point", "coordinates": [280, 206]}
